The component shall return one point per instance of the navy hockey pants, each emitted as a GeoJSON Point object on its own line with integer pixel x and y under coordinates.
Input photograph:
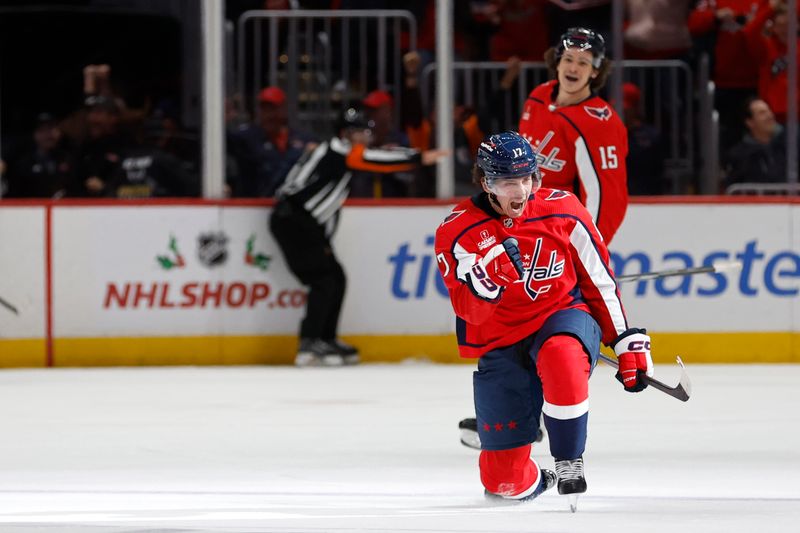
{"type": "Point", "coordinates": [509, 396]}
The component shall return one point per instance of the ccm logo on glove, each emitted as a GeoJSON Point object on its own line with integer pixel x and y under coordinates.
{"type": "Point", "coordinates": [638, 346]}
{"type": "Point", "coordinates": [633, 353]}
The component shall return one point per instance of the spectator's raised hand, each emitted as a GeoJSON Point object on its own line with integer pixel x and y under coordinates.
{"type": "Point", "coordinates": [725, 15]}
{"type": "Point", "coordinates": [513, 67]}
{"type": "Point", "coordinates": [411, 63]}
{"type": "Point", "coordinates": [94, 184]}
{"type": "Point", "coordinates": [429, 157]}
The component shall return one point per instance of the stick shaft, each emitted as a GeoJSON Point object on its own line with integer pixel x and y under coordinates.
{"type": "Point", "coordinates": [666, 273]}
{"type": "Point", "coordinates": [718, 266]}
{"type": "Point", "coordinates": [9, 306]}
{"type": "Point", "coordinates": [678, 391]}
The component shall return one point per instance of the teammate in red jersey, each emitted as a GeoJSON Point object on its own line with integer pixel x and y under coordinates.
{"type": "Point", "coordinates": [534, 295]}
{"type": "Point", "coordinates": [580, 141]}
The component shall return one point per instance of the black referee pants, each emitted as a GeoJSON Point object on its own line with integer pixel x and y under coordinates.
{"type": "Point", "coordinates": [309, 255]}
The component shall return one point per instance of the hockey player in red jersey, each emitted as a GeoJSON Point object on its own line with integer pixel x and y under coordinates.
{"type": "Point", "coordinates": [580, 141]}
{"type": "Point", "coordinates": [534, 295]}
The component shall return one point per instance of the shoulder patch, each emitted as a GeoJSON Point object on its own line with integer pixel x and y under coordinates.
{"type": "Point", "coordinates": [557, 195]}
{"type": "Point", "coordinates": [452, 216]}
{"type": "Point", "coordinates": [600, 113]}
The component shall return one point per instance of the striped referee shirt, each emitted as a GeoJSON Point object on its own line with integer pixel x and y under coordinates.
{"type": "Point", "coordinates": [320, 181]}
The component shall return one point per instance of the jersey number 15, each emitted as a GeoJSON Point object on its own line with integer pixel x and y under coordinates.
{"type": "Point", "coordinates": [608, 157]}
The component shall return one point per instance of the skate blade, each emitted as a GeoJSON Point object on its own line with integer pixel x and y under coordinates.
{"type": "Point", "coordinates": [573, 502]}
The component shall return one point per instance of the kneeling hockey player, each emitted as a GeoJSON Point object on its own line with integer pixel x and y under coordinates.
{"type": "Point", "coordinates": [534, 295]}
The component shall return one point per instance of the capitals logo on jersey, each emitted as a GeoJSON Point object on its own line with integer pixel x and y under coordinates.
{"type": "Point", "coordinates": [537, 273]}
{"type": "Point", "coordinates": [600, 113]}
{"type": "Point", "coordinates": [547, 161]}
{"type": "Point", "coordinates": [557, 195]}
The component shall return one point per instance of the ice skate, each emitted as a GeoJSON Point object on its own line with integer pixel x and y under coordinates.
{"type": "Point", "coordinates": [468, 429]}
{"type": "Point", "coordinates": [571, 481]}
{"type": "Point", "coordinates": [348, 352]}
{"type": "Point", "coordinates": [317, 352]}
{"type": "Point", "coordinates": [547, 481]}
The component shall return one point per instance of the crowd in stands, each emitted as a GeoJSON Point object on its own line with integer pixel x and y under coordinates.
{"type": "Point", "coordinates": [104, 149]}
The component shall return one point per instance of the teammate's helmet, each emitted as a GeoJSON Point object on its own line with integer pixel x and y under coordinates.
{"type": "Point", "coordinates": [583, 39]}
{"type": "Point", "coordinates": [507, 155]}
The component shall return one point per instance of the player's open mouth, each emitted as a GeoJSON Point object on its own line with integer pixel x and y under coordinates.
{"type": "Point", "coordinates": [571, 79]}
{"type": "Point", "coordinates": [517, 206]}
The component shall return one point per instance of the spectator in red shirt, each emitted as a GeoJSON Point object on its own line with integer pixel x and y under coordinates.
{"type": "Point", "coordinates": [522, 30]}
{"type": "Point", "coordinates": [735, 71]}
{"type": "Point", "coordinates": [770, 51]}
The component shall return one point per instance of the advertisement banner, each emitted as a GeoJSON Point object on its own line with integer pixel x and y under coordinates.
{"type": "Point", "coordinates": [22, 262]}
{"type": "Point", "coordinates": [394, 286]}
{"type": "Point", "coordinates": [23, 311]}
{"type": "Point", "coordinates": [162, 271]}
{"type": "Point", "coordinates": [206, 283]}
{"type": "Point", "coordinates": [760, 296]}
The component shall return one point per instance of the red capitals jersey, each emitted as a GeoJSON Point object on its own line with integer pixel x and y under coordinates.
{"type": "Point", "coordinates": [580, 148]}
{"type": "Point", "coordinates": [773, 62]}
{"type": "Point", "coordinates": [734, 67]}
{"type": "Point", "coordinates": [566, 266]}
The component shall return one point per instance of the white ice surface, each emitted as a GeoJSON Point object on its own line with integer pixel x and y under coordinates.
{"type": "Point", "coordinates": [375, 449]}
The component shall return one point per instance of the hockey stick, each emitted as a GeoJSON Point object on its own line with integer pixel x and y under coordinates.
{"type": "Point", "coordinates": [719, 266]}
{"type": "Point", "coordinates": [9, 306]}
{"type": "Point", "coordinates": [681, 391]}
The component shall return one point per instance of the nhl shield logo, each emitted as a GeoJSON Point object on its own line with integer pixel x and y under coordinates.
{"type": "Point", "coordinates": [212, 249]}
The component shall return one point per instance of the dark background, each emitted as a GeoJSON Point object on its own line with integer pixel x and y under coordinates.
{"type": "Point", "coordinates": [44, 47]}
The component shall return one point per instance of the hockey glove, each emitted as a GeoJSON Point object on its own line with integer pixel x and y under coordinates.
{"type": "Point", "coordinates": [503, 263]}
{"type": "Point", "coordinates": [633, 352]}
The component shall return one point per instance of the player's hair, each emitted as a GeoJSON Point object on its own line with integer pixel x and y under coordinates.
{"type": "Point", "coordinates": [597, 83]}
{"type": "Point", "coordinates": [477, 176]}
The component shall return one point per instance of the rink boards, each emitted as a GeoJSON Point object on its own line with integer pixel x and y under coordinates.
{"type": "Point", "coordinates": [201, 282]}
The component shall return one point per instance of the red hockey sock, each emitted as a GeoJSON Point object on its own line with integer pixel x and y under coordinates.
{"type": "Point", "coordinates": [510, 473]}
{"type": "Point", "coordinates": [563, 367]}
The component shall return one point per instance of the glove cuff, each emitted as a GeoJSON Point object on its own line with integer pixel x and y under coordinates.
{"type": "Point", "coordinates": [626, 333]}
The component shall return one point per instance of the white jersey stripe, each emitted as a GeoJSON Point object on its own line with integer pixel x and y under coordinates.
{"type": "Point", "coordinates": [565, 412]}
{"type": "Point", "coordinates": [299, 174]}
{"type": "Point", "coordinates": [388, 155]}
{"type": "Point", "coordinates": [341, 146]}
{"type": "Point", "coordinates": [589, 178]}
{"type": "Point", "coordinates": [312, 202]}
{"type": "Point", "coordinates": [599, 275]}
{"type": "Point", "coordinates": [334, 200]}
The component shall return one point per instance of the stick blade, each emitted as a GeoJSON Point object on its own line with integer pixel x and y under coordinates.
{"type": "Point", "coordinates": [730, 265]}
{"type": "Point", "coordinates": [684, 384]}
